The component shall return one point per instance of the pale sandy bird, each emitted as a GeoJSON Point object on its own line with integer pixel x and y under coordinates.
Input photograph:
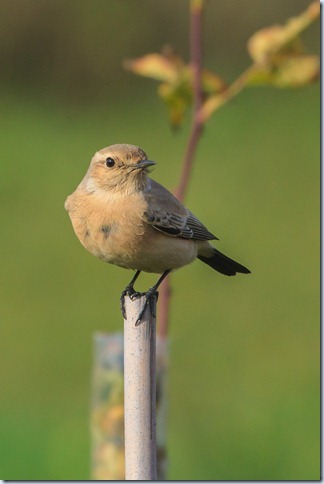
{"type": "Point", "coordinates": [124, 217]}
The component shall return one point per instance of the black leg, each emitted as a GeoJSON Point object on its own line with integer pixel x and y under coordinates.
{"type": "Point", "coordinates": [151, 297]}
{"type": "Point", "coordinates": [128, 291]}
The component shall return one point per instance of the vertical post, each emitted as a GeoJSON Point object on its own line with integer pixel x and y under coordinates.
{"type": "Point", "coordinates": [139, 392]}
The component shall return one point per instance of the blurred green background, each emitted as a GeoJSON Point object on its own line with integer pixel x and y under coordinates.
{"type": "Point", "coordinates": [244, 371]}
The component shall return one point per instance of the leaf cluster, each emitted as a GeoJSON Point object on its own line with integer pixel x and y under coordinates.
{"type": "Point", "coordinates": [278, 60]}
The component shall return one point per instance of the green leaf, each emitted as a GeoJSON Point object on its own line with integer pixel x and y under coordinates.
{"type": "Point", "coordinates": [281, 39]}
{"type": "Point", "coordinates": [296, 71]}
{"type": "Point", "coordinates": [287, 72]}
{"type": "Point", "coordinates": [176, 88]}
{"type": "Point", "coordinates": [155, 66]}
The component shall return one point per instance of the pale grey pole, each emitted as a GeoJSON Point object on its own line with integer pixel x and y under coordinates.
{"type": "Point", "coordinates": [139, 392]}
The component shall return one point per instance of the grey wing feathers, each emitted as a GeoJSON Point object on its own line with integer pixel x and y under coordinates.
{"type": "Point", "coordinates": [200, 232]}
{"type": "Point", "coordinates": [169, 223]}
{"type": "Point", "coordinates": [166, 214]}
{"type": "Point", "coordinates": [178, 226]}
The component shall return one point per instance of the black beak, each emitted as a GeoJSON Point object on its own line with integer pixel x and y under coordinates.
{"type": "Point", "coordinates": [144, 164]}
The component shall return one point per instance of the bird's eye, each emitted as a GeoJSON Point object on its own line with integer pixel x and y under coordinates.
{"type": "Point", "coordinates": [110, 162]}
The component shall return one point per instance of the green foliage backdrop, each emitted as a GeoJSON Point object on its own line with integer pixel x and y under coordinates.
{"type": "Point", "coordinates": [244, 373]}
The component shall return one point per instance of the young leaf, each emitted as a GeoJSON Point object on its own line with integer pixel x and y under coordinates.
{"type": "Point", "coordinates": [156, 66]}
{"type": "Point", "coordinates": [177, 80]}
{"type": "Point", "coordinates": [281, 39]}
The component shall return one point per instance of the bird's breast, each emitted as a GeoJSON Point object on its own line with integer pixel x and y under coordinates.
{"type": "Point", "coordinates": [115, 231]}
{"type": "Point", "coordinates": [108, 228]}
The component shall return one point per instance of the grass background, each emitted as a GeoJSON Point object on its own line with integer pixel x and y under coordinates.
{"type": "Point", "coordinates": [244, 362]}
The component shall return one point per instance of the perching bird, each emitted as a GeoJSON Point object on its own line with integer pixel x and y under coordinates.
{"type": "Point", "coordinates": [124, 217]}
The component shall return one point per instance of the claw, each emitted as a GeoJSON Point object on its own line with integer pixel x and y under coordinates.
{"type": "Point", "coordinates": [122, 304]}
{"type": "Point", "coordinates": [134, 295]}
{"type": "Point", "coordinates": [128, 291]}
{"type": "Point", "coordinates": [151, 296]}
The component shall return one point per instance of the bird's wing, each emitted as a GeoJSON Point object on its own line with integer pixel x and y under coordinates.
{"type": "Point", "coordinates": [166, 214]}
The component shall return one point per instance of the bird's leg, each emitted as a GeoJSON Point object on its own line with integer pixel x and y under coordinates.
{"type": "Point", "coordinates": [129, 291]}
{"type": "Point", "coordinates": [151, 297]}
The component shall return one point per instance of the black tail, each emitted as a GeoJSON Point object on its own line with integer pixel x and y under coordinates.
{"type": "Point", "coordinates": [223, 264]}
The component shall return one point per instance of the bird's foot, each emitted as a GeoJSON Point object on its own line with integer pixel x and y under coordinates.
{"type": "Point", "coordinates": [151, 297]}
{"type": "Point", "coordinates": [130, 292]}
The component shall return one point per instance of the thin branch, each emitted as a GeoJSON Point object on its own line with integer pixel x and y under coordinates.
{"type": "Point", "coordinates": [215, 102]}
{"type": "Point", "coordinates": [196, 10]}
{"type": "Point", "coordinates": [197, 125]}
{"type": "Point", "coordinates": [271, 45]}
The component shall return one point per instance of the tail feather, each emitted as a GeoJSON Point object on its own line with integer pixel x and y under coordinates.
{"type": "Point", "coordinates": [223, 264]}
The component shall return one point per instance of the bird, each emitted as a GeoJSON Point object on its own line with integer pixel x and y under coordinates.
{"type": "Point", "coordinates": [124, 217]}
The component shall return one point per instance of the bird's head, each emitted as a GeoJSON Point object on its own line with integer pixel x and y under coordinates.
{"type": "Point", "coordinates": [120, 166]}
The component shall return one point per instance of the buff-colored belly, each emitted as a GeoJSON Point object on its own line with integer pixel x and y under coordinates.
{"type": "Point", "coordinates": [149, 251]}
{"type": "Point", "coordinates": [127, 241]}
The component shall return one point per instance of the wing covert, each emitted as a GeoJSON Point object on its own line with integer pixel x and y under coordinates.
{"type": "Point", "coordinates": [186, 227]}
{"type": "Point", "coordinates": [166, 213]}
